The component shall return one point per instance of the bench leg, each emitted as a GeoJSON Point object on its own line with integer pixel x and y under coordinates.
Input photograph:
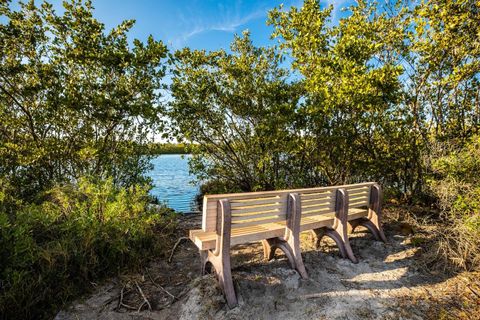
{"type": "Point", "coordinates": [375, 228]}
{"type": "Point", "coordinates": [341, 240]}
{"type": "Point", "coordinates": [374, 223]}
{"type": "Point", "coordinates": [221, 264]}
{"type": "Point", "coordinates": [203, 261]}
{"type": "Point", "coordinates": [220, 257]}
{"type": "Point", "coordinates": [291, 249]}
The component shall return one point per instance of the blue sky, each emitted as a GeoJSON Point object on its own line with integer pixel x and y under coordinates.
{"type": "Point", "coordinates": [199, 24]}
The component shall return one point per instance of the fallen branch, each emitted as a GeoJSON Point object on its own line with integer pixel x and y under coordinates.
{"type": "Point", "coordinates": [175, 247]}
{"type": "Point", "coordinates": [120, 301]}
{"type": "Point", "coordinates": [184, 292]}
{"type": "Point", "coordinates": [159, 286]}
{"type": "Point", "coordinates": [168, 304]}
{"type": "Point", "coordinates": [145, 300]}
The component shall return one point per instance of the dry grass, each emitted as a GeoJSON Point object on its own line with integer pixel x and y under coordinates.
{"type": "Point", "coordinates": [448, 246]}
{"type": "Point", "coordinates": [454, 248]}
{"type": "Point", "coordinates": [455, 298]}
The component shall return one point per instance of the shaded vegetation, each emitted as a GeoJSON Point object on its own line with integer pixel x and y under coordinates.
{"type": "Point", "coordinates": [455, 182]}
{"type": "Point", "coordinates": [52, 250]}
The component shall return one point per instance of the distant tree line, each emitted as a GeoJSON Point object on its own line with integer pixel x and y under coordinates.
{"type": "Point", "coordinates": [158, 148]}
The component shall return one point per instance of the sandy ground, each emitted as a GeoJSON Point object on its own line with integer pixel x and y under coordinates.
{"type": "Point", "coordinates": [386, 284]}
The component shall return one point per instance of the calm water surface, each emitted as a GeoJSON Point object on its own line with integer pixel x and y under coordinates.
{"type": "Point", "coordinates": [172, 182]}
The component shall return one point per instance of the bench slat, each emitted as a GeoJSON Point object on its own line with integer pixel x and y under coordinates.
{"type": "Point", "coordinates": [356, 190]}
{"type": "Point", "coordinates": [255, 202]}
{"type": "Point", "coordinates": [255, 210]}
{"type": "Point", "coordinates": [271, 213]}
{"type": "Point", "coordinates": [258, 222]}
{"type": "Point", "coordinates": [317, 213]}
{"type": "Point", "coordinates": [358, 203]}
{"type": "Point", "coordinates": [310, 196]}
{"type": "Point", "coordinates": [318, 205]}
{"type": "Point", "coordinates": [245, 195]}
{"type": "Point", "coordinates": [324, 199]}
{"type": "Point", "coordinates": [355, 199]}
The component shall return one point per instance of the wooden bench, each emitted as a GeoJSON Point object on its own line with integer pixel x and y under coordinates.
{"type": "Point", "coordinates": [277, 217]}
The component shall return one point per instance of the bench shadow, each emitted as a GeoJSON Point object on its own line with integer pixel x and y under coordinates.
{"type": "Point", "coordinates": [384, 271]}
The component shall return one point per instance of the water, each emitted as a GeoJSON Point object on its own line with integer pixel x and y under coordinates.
{"type": "Point", "coordinates": [171, 182]}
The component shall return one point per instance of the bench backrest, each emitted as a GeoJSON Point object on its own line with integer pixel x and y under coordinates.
{"type": "Point", "coordinates": [258, 209]}
{"type": "Point", "coordinates": [253, 208]}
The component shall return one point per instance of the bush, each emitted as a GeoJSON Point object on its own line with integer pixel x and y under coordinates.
{"type": "Point", "coordinates": [455, 182]}
{"type": "Point", "coordinates": [51, 250]}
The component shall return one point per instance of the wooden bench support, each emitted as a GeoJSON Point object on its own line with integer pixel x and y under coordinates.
{"type": "Point", "coordinates": [373, 221]}
{"type": "Point", "coordinates": [290, 243]}
{"type": "Point", "coordinates": [220, 257]}
{"type": "Point", "coordinates": [338, 232]}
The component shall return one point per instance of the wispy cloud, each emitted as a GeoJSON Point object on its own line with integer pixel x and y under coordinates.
{"type": "Point", "coordinates": [337, 7]}
{"type": "Point", "coordinates": [228, 20]}
{"type": "Point", "coordinates": [227, 26]}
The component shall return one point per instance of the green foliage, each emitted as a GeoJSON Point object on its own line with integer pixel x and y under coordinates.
{"type": "Point", "coordinates": [52, 250]}
{"type": "Point", "coordinates": [75, 99]}
{"type": "Point", "coordinates": [445, 60]}
{"type": "Point", "coordinates": [237, 109]}
{"type": "Point", "coordinates": [365, 99]}
{"type": "Point", "coordinates": [455, 180]}
{"type": "Point", "coordinates": [353, 126]}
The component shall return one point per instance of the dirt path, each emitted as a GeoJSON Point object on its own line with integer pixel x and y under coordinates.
{"type": "Point", "coordinates": [385, 284]}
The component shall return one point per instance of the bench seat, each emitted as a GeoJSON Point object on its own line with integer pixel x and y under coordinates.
{"type": "Point", "coordinates": [207, 240]}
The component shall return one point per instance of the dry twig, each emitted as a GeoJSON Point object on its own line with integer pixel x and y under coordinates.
{"type": "Point", "coordinates": [473, 291]}
{"type": "Point", "coordinates": [175, 247]}
{"type": "Point", "coordinates": [120, 301]}
{"type": "Point", "coordinates": [159, 286]}
{"type": "Point", "coordinates": [145, 300]}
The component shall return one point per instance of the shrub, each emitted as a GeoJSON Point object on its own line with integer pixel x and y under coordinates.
{"type": "Point", "coordinates": [455, 182]}
{"type": "Point", "coordinates": [75, 234]}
